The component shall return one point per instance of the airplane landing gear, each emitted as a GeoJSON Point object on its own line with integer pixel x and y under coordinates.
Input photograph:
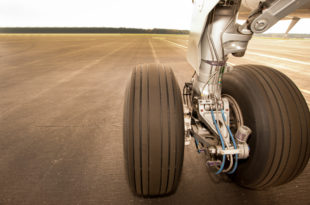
{"type": "Point", "coordinates": [252, 123]}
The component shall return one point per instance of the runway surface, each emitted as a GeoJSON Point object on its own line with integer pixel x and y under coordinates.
{"type": "Point", "coordinates": [61, 101]}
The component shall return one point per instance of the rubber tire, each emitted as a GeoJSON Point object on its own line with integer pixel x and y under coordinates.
{"type": "Point", "coordinates": [275, 110]}
{"type": "Point", "coordinates": [153, 131]}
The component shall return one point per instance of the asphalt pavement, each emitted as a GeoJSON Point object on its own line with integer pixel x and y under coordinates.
{"type": "Point", "coordinates": [61, 103]}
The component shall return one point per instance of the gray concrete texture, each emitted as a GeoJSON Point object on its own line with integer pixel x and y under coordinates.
{"type": "Point", "coordinates": [61, 102]}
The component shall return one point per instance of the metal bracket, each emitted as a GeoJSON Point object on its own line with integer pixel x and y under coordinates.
{"type": "Point", "coordinates": [270, 12]}
{"type": "Point", "coordinates": [215, 63]}
{"type": "Point", "coordinates": [205, 107]}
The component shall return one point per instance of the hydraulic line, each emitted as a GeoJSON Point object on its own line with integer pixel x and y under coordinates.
{"type": "Point", "coordinates": [222, 142]}
{"type": "Point", "coordinates": [230, 157]}
{"type": "Point", "coordinates": [234, 143]}
{"type": "Point", "coordinates": [212, 76]}
{"type": "Point", "coordinates": [197, 145]}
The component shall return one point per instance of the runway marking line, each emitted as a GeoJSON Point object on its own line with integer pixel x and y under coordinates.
{"type": "Point", "coordinates": [277, 66]}
{"type": "Point", "coordinates": [259, 54]}
{"type": "Point", "coordinates": [278, 58]}
{"type": "Point", "coordinates": [176, 44]}
{"type": "Point", "coordinates": [154, 52]}
{"type": "Point", "coordinates": [305, 91]}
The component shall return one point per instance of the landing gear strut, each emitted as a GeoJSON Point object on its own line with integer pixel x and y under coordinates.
{"type": "Point", "coordinates": [252, 122]}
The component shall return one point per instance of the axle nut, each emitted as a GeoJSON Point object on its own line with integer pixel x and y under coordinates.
{"type": "Point", "coordinates": [261, 24]}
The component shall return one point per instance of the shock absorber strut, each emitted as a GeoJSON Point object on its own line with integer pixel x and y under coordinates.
{"type": "Point", "coordinates": [220, 38]}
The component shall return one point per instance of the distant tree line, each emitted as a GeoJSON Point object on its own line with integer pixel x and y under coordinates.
{"type": "Point", "coordinates": [89, 30]}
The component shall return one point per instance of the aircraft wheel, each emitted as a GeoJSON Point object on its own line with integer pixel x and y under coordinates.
{"type": "Point", "coordinates": [153, 131]}
{"type": "Point", "coordinates": [273, 107]}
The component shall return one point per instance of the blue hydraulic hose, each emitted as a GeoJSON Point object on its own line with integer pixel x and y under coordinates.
{"type": "Point", "coordinates": [197, 143]}
{"type": "Point", "coordinates": [234, 142]}
{"type": "Point", "coordinates": [222, 142]}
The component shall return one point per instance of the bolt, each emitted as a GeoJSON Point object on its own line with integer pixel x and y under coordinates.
{"type": "Point", "coordinates": [261, 24]}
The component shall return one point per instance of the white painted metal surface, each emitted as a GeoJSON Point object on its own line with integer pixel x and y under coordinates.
{"type": "Point", "coordinates": [201, 9]}
{"type": "Point", "coordinates": [250, 4]}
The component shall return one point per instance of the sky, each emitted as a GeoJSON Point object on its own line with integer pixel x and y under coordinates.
{"type": "Point", "coordinates": [171, 14]}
